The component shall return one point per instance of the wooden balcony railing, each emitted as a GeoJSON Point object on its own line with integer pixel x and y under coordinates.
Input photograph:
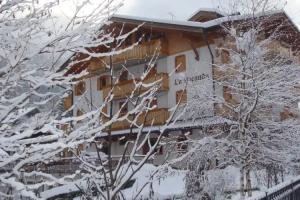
{"type": "Point", "coordinates": [157, 116]}
{"type": "Point", "coordinates": [141, 51]}
{"type": "Point", "coordinates": [125, 88]}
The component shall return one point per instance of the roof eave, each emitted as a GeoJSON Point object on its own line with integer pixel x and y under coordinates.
{"type": "Point", "coordinates": [157, 24]}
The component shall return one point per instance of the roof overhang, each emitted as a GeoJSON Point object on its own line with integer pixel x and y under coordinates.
{"type": "Point", "coordinates": [156, 23]}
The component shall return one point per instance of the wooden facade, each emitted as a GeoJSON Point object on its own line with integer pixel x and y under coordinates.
{"type": "Point", "coordinates": [153, 117]}
{"type": "Point", "coordinates": [164, 40]}
{"type": "Point", "coordinates": [125, 88]}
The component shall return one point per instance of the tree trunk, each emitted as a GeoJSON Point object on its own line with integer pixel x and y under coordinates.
{"type": "Point", "coordinates": [275, 176]}
{"type": "Point", "coordinates": [248, 183]}
{"type": "Point", "coordinates": [242, 182]}
{"type": "Point", "coordinates": [281, 170]}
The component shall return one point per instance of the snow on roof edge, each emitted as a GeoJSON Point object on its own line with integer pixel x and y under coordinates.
{"type": "Point", "coordinates": [162, 21]}
{"type": "Point", "coordinates": [207, 10]}
{"type": "Point", "coordinates": [203, 25]}
{"type": "Point", "coordinates": [221, 20]}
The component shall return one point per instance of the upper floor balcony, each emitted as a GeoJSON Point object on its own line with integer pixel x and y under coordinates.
{"type": "Point", "coordinates": [141, 51]}
{"type": "Point", "coordinates": [125, 88]}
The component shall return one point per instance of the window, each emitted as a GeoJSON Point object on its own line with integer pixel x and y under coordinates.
{"type": "Point", "coordinates": [79, 113]}
{"type": "Point", "coordinates": [79, 88]}
{"type": "Point", "coordinates": [287, 114]}
{"type": "Point", "coordinates": [103, 82]}
{"type": "Point", "coordinates": [152, 71]}
{"type": "Point", "coordinates": [123, 76]}
{"type": "Point", "coordinates": [180, 63]}
{"type": "Point", "coordinates": [123, 140]}
{"type": "Point", "coordinates": [124, 109]}
{"type": "Point", "coordinates": [226, 93]}
{"type": "Point", "coordinates": [68, 102]}
{"type": "Point", "coordinates": [181, 96]}
{"type": "Point", "coordinates": [225, 56]}
{"type": "Point", "coordinates": [103, 146]}
{"type": "Point", "coordinates": [158, 150]}
{"type": "Point", "coordinates": [181, 143]}
{"type": "Point", "coordinates": [152, 103]}
{"type": "Point", "coordinates": [129, 40]}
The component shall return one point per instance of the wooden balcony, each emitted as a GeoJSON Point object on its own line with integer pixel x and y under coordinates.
{"type": "Point", "coordinates": [141, 51]}
{"type": "Point", "coordinates": [158, 116]}
{"type": "Point", "coordinates": [125, 88]}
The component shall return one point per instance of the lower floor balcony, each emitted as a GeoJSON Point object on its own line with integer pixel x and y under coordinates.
{"type": "Point", "coordinates": [154, 117]}
{"type": "Point", "coordinates": [125, 88]}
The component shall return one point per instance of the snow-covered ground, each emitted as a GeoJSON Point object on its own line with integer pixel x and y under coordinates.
{"type": "Point", "coordinates": [157, 182]}
{"type": "Point", "coordinates": [166, 183]}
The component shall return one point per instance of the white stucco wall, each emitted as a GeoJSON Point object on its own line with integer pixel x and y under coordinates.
{"type": "Point", "coordinates": [198, 72]}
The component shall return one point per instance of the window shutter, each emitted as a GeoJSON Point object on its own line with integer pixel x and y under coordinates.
{"type": "Point", "coordinates": [181, 96]}
{"type": "Point", "coordinates": [79, 88]}
{"type": "Point", "coordinates": [180, 63]}
{"type": "Point", "coordinates": [225, 56]}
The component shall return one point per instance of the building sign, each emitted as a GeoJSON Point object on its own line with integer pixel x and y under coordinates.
{"type": "Point", "coordinates": [191, 79]}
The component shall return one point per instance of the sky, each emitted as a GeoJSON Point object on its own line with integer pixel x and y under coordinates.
{"type": "Point", "coordinates": [182, 9]}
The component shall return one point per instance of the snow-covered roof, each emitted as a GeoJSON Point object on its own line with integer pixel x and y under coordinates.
{"type": "Point", "coordinates": [213, 10]}
{"type": "Point", "coordinates": [172, 24]}
{"type": "Point", "coordinates": [190, 25]}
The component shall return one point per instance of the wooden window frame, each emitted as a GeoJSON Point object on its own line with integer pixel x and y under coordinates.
{"type": "Point", "coordinates": [154, 102]}
{"type": "Point", "coordinates": [227, 93]}
{"type": "Point", "coordinates": [80, 88]}
{"type": "Point", "coordinates": [181, 144]}
{"type": "Point", "coordinates": [100, 85]}
{"type": "Point", "coordinates": [158, 150]}
{"type": "Point", "coordinates": [181, 95]}
{"type": "Point", "coordinates": [180, 63]}
{"type": "Point", "coordinates": [79, 113]}
{"type": "Point", "coordinates": [123, 75]}
{"type": "Point", "coordinates": [225, 56]}
{"type": "Point", "coordinates": [152, 72]}
{"type": "Point", "coordinates": [124, 110]}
